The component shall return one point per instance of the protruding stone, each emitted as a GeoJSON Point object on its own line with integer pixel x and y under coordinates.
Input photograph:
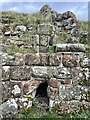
{"type": "Point", "coordinates": [39, 71]}
{"type": "Point", "coordinates": [20, 28]}
{"type": "Point", "coordinates": [69, 48]}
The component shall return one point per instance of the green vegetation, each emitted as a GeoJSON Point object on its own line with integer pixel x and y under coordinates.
{"type": "Point", "coordinates": [83, 25]}
{"type": "Point", "coordinates": [14, 49]}
{"type": "Point", "coordinates": [37, 113]}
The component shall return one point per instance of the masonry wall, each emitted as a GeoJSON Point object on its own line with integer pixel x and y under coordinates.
{"type": "Point", "coordinates": [66, 70]}
{"type": "Point", "coordinates": [67, 74]}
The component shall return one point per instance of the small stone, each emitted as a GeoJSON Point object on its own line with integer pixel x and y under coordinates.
{"type": "Point", "coordinates": [20, 28]}
{"type": "Point", "coordinates": [5, 73]}
{"type": "Point", "coordinates": [16, 91]}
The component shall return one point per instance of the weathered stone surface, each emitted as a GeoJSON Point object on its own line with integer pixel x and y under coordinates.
{"type": "Point", "coordinates": [70, 92]}
{"type": "Point", "coordinates": [32, 28]}
{"type": "Point", "coordinates": [34, 40]}
{"type": "Point", "coordinates": [65, 81]}
{"type": "Point", "coordinates": [40, 71]}
{"type": "Point", "coordinates": [5, 73]}
{"type": "Point", "coordinates": [75, 32]}
{"type": "Point", "coordinates": [43, 49]}
{"type": "Point", "coordinates": [60, 72]}
{"type": "Point", "coordinates": [20, 28]}
{"type": "Point", "coordinates": [20, 73]}
{"type": "Point", "coordinates": [19, 59]}
{"type": "Point", "coordinates": [53, 83]}
{"type": "Point", "coordinates": [69, 47]}
{"type": "Point", "coordinates": [44, 40]}
{"type": "Point", "coordinates": [9, 60]}
{"type": "Point", "coordinates": [4, 47]}
{"type": "Point", "coordinates": [55, 59]}
{"type": "Point", "coordinates": [69, 14]}
{"type": "Point", "coordinates": [45, 29]}
{"type": "Point", "coordinates": [72, 40]}
{"type": "Point", "coordinates": [11, 88]}
{"type": "Point", "coordinates": [45, 10]}
{"type": "Point", "coordinates": [8, 109]}
{"type": "Point", "coordinates": [70, 60]}
{"type": "Point", "coordinates": [16, 91]}
{"type": "Point", "coordinates": [30, 86]}
{"type": "Point", "coordinates": [85, 62]}
{"type": "Point", "coordinates": [68, 107]}
{"type": "Point", "coordinates": [3, 58]}
{"type": "Point", "coordinates": [86, 72]}
{"type": "Point", "coordinates": [32, 59]}
{"type": "Point", "coordinates": [44, 59]}
{"type": "Point", "coordinates": [7, 33]}
{"type": "Point", "coordinates": [18, 42]}
{"type": "Point", "coordinates": [60, 62]}
{"type": "Point", "coordinates": [52, 92]}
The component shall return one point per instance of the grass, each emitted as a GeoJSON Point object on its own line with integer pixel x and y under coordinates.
{"type": "Point", "coordinates": [15, 49]}
{"type": "Point", "coordinates": [37, 113]}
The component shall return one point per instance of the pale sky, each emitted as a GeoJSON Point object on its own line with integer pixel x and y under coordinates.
{"type": "Point", "coordinates": [27, 6]}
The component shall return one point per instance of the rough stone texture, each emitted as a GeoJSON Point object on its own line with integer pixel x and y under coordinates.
{"type": "Point", "coordinates": [20, 28]}
{"type": "Point", "coordinates": [70, 60]}
{"type": "Point", "coordinates": [64, 68]}
{"type": "Point", "coordinates": [20, 72]}
{"type": "Point", "coordinates": [44, 59]}
{"type": "Point", "coordinates": [73, 106]}
{"type": "Point", "coordinates": [5, 73]}
{"type": "Point", "coordinates": [34, 40]}
{"type": "Point", "coordinates": [60, 72]}
{"type": "Point", "coordinates": [8, 109]}
{"type": "Point", "coordinates": [32, 59]}
{"type": "Point", "coordinates": [55, 59]}
{"type": "Point", "coordinates": [45, 29]}
{"type": "Point", "coordinates": [44, 40]}
{"type": "Point", "coordinates": [41, 72]}
{"type": "Point", "coordinates": [69, 47]}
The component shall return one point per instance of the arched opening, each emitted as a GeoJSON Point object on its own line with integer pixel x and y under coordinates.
{"type": "Point", "coordinates": [41, 93]}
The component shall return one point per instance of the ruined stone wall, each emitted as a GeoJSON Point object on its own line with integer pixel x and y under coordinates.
{"type": "Point", "coordinates": [66, 69]}
{"type": "Point", "coordinates": [67, 74]}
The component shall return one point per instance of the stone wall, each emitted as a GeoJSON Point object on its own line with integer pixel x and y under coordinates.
{"type": "Point", "coordinates": [67, 75]}
{"type": "Point", "coordinates": [66, 70]}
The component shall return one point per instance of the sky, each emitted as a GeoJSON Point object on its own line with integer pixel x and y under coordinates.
{"type": "Point", "coordinates": [28, 6]}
